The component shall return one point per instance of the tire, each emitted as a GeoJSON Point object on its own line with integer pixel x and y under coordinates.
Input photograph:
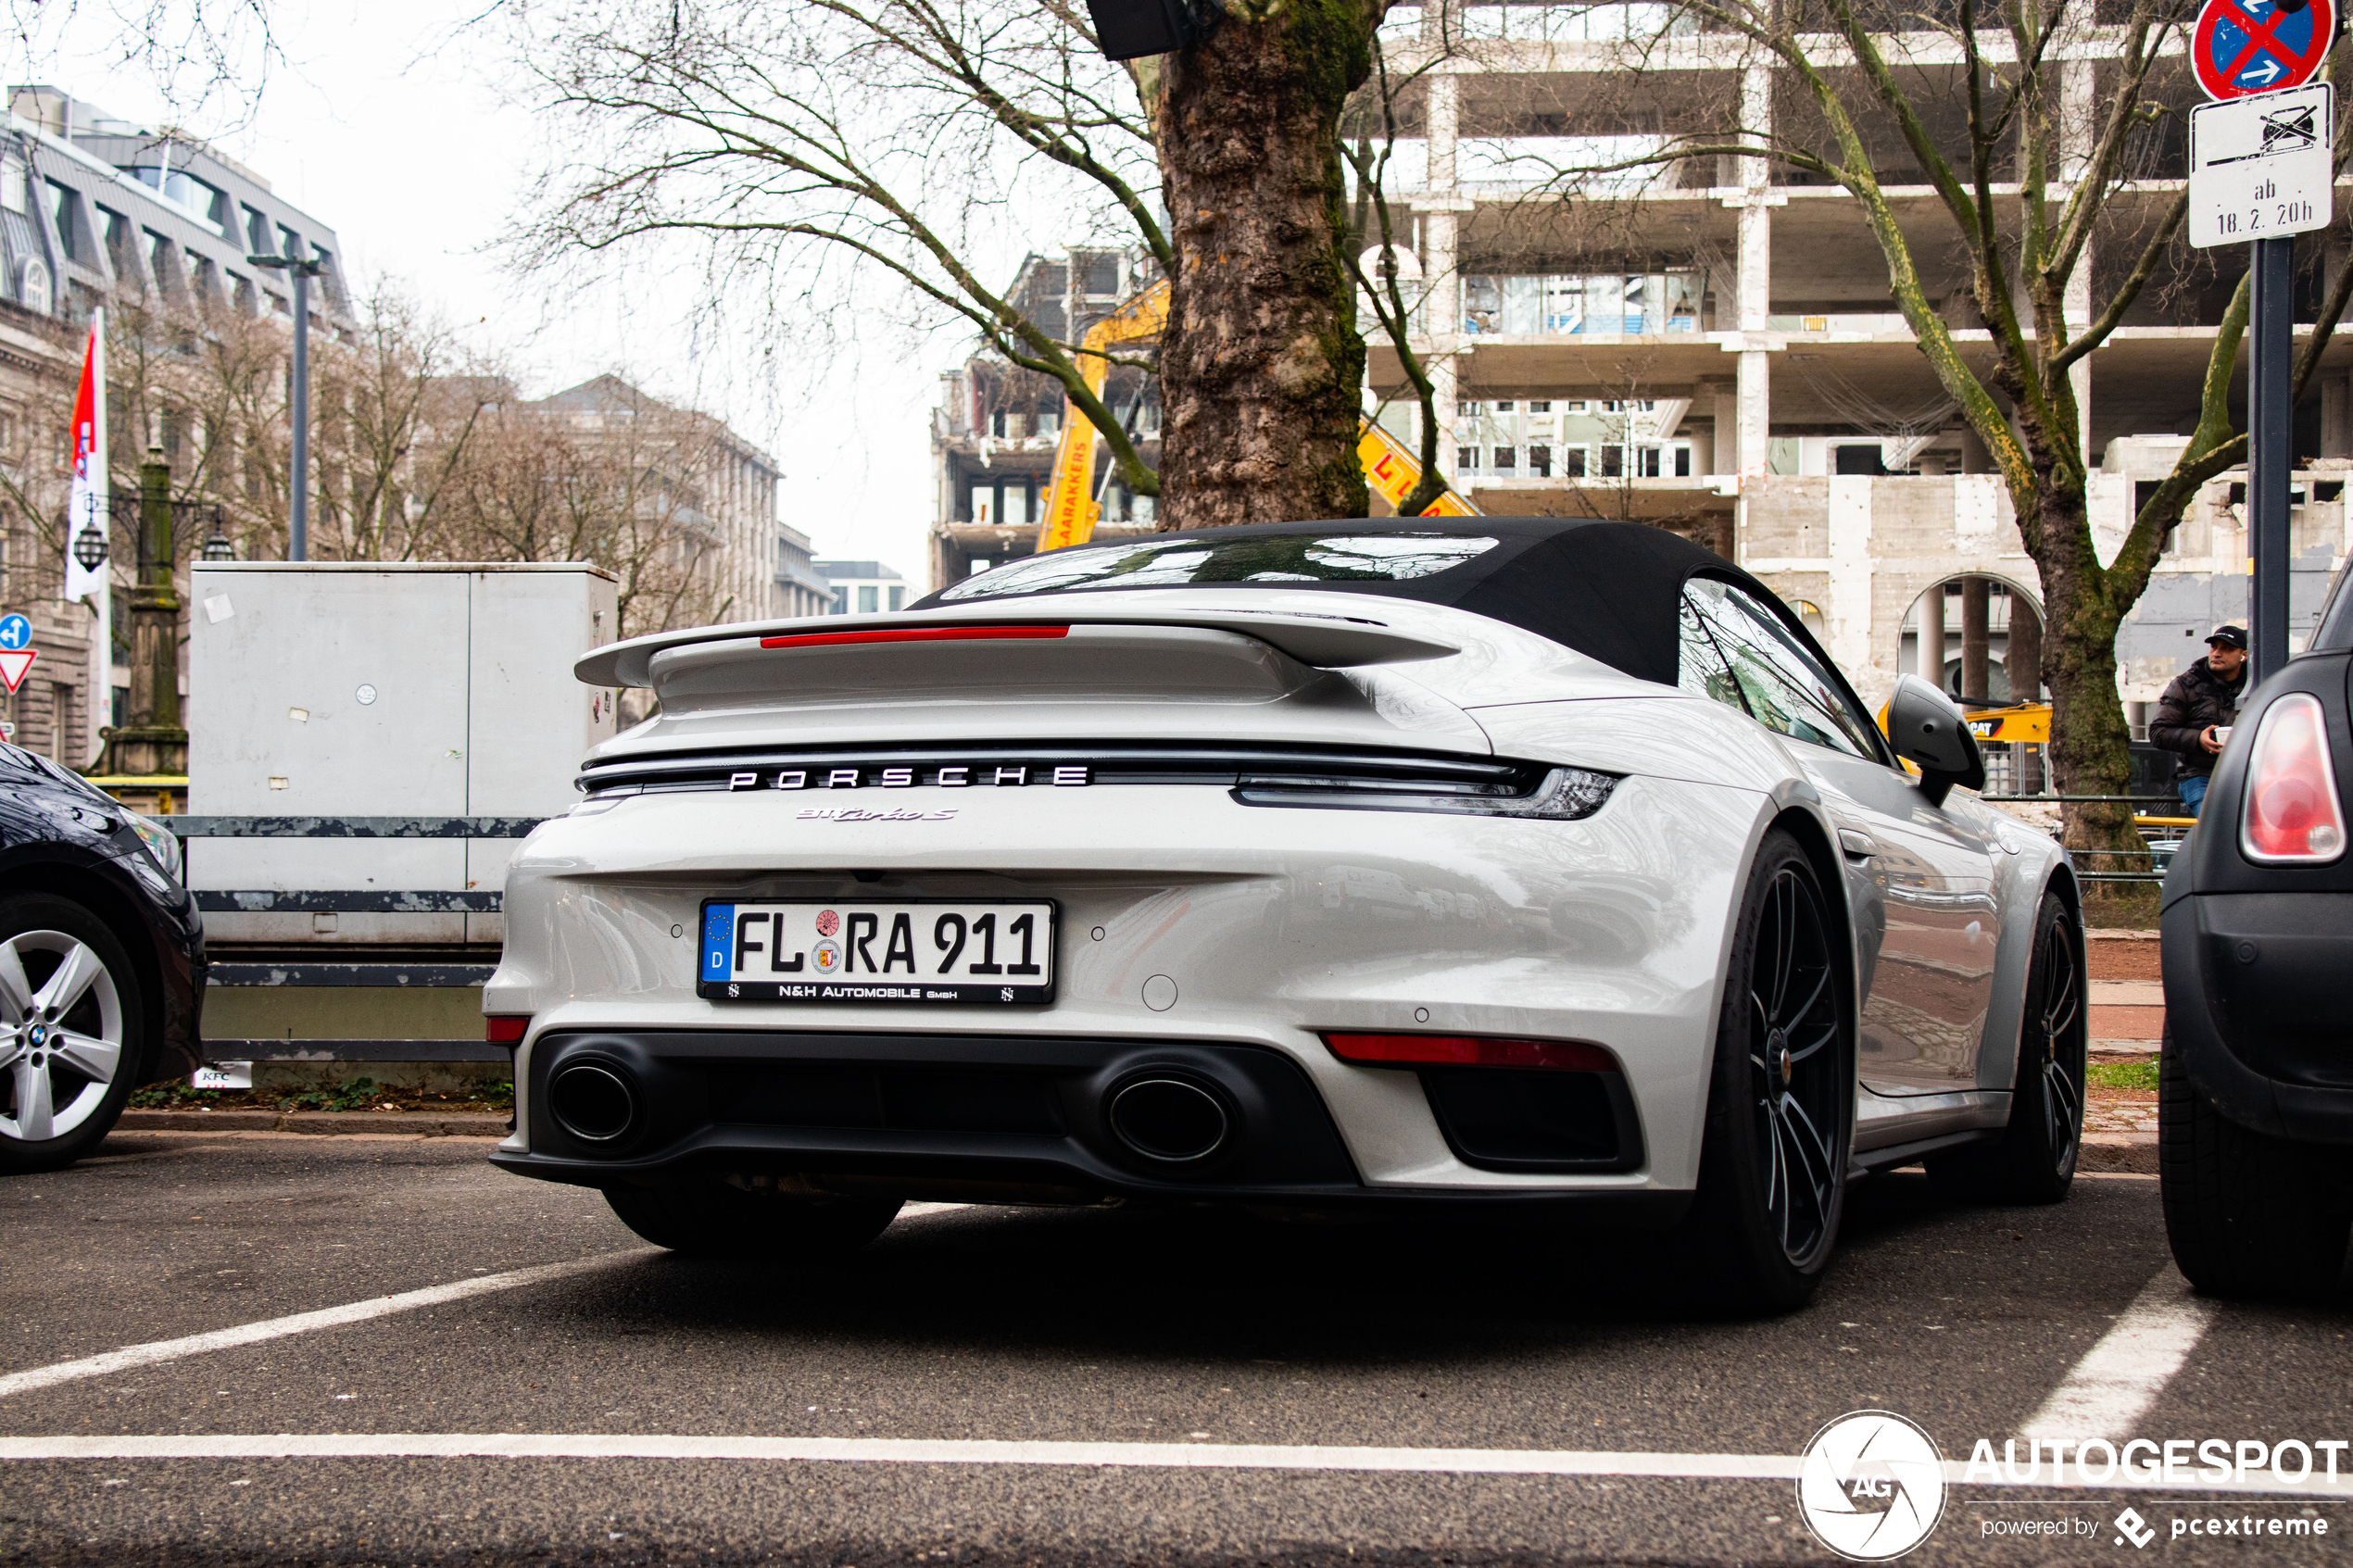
{"type": "Point", "coordinates": [705, 1218]}
{"type": "Point", "coordinates": [2036, 1159]}
{"type": "Point", "coordinates": [72, 1031]}
{"type": "Point", "coordinates": [2246, 1214]}
{"type": "Point", "coordinates": [1780, 1105]}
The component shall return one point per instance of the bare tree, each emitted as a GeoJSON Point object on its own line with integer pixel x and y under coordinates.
{"type": "Point", "coordinates": [618, 477]}
{"type": "Point", "coordinates": [814, 149]}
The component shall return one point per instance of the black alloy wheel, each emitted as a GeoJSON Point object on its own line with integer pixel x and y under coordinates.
{"type": "Point", "coordinates": [2036, 1159]}
{"type": "Point", "coordinates": [2055, 1022]}
{"type": "Point", "coordinates": [1773, 1164]}
{"type": "Point", "coordinates": [1793, 1068]}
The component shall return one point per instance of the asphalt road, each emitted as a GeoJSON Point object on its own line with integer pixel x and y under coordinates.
{"type": "Point", "coordinates": [1028, 1325]}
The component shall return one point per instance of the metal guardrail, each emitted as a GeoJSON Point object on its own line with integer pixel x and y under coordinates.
{"type": "Point", "coordinates": [350, 827]}
{"type": "Point", "coordinates": [353, 900]}
{"type": "Point", "coordinates": [395, 974]}
{"type": "Point", "coordinates": [2080, 800]}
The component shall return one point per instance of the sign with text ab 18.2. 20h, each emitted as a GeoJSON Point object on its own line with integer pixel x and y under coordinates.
{"type": "Point", "coordinates": [2261, 165]}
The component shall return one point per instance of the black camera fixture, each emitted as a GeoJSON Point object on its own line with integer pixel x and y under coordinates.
{"type": "Point", "coordinates": [1129, 30]}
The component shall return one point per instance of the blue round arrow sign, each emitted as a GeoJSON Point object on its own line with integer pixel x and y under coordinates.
{"type": "Point", "coordinates": [2243, 47]}
{"type": "Point", "coordinates": [16, 633]}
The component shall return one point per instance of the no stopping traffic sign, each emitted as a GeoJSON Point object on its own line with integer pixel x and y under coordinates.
{"type": "Point", "coordinates": [2246, 46]}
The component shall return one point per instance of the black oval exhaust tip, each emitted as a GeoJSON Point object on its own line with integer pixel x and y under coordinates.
{"type": "Point", "coordinates": [592, 1101]}
{"type": "Point", "coordinates": [1169, 1120]}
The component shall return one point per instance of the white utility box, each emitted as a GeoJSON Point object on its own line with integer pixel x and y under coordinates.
{"type": "Point", "coordinates": [380, 689]}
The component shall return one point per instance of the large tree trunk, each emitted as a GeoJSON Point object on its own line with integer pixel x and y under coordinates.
{"type": "Point", "coordinates": [1262, 363]}
{"type": "Point", "coordinates": [2091, 746]}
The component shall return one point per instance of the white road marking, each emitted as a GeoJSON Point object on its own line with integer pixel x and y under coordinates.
{"type": "Point", "coordinates": [2121, 1377]}
{"type": "Point", "coordinates": [299, 1323]}
{"type": "Point", "coordinates": [901, 1450]}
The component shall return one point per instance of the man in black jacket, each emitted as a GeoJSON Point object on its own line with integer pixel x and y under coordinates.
{"type": "Point", "coordinates": [2202, 702]}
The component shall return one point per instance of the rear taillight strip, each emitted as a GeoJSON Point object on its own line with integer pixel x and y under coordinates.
{"type": "Point", "coordinates": [915, 634]}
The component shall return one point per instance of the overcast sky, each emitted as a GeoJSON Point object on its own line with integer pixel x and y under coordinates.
{"type": "Point", "coordinates": [387, 128]}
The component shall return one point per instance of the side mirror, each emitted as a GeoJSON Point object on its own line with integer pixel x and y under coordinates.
{"type": "Point", "coordinates": [1929, 732]}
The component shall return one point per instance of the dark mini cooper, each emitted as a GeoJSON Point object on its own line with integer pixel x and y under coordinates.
{"type": "Point", "coordinates": [2254, 1115]}
{"type": "Point", "coordinates": [101, 962]}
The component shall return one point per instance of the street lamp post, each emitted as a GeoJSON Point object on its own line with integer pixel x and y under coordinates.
{"type": "Point", "coordinates": [301, 271]}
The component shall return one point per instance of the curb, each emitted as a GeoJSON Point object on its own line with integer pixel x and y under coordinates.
{"type": "Point", "coordinates": [2133, 1152]}
{"type": "Point", "coordinates": [316, 1122]}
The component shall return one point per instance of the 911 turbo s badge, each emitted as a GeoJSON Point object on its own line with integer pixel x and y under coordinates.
{"type": "Point", "coordinates": [855, 814]}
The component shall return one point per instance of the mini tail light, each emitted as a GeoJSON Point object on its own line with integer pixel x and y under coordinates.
{"type": "Point", "coordinates": [915, 634]}
{"type": "Point", "coordinates": [2292, 816]}
{"type": "Point", "coordinates": [506, 1029]}
{"type": "Point", "coordinates": [1469, 1051]}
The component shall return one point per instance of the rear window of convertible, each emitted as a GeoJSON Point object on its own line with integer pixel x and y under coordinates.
{"type": "Point", "coordinates": [1291, 558]}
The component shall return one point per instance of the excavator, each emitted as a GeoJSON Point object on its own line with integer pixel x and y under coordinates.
{"type": "Point", "coordinates": [1073, 507]}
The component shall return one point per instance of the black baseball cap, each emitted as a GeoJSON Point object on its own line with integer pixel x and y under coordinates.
{"type": "Point", "coordinates": [2229, 636]}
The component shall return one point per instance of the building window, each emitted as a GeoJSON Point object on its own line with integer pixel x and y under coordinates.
{"type": "Point", "coordinates": [1574, 406]}
{"type": "Point", "coordinates": [12, 187]}
{"type": "Point", "coordinates": [841, 600]}
{"type": "Point", "coordinates": [34, 288]}
{"type": "Point", "coordinates": [1467, 409]}
{"type": "Point", "coordinates": [867, 598]}
{"type": "Point", "coordinates": [1540, 462]}
{"type": "Point", "coordinates": [1465, 460]}
{"type": "Point", "coordinates": [257, 234]}
{"type": "Point", "coordinates": [1613, 462]}
{"type": "Point", "coordinates": [61, 210]}
{"type": "Point", "coordinates": [1539, 405]}
{"type": "Point", "coordinates": [1507, 462]}
{"type": "Point", "coordinates": [1503, 405]}
{"type": "Point", "coordinates": [1573, 462]}
{"type": "Point", "coordinates": [898, 598]}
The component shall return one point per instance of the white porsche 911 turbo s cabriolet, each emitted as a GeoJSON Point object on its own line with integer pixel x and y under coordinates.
{"type": "Point", "coordinates": [1522, 865]}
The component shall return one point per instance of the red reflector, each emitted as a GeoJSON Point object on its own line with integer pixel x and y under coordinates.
{"type": "Point", "coordinates": [1471, 1050]}
{"type": "Point", "coordinates": [915, 634]}
{"type": "Point", "coordinates": [505, 1030]}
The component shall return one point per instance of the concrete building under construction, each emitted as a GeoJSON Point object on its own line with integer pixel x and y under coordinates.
{"type": "Point", "coordinates": [1712, 346]}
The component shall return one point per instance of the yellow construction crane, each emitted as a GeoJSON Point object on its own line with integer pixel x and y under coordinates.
{"type": "Point", "coordinates": [1071, 510]}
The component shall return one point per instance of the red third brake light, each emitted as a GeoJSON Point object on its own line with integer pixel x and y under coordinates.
{"type": "Point", "coordinates": [1469, 1051]}
{"type": "Point", "coordinates": [915, 634]}
{"type": "Point", "coordinates": [2292, 816]}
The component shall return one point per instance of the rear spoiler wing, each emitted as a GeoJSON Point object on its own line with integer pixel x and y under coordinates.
{"type": "Point", "coordinates": [1335, 641]}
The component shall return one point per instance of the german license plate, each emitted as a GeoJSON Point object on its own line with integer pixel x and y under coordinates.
{"type": "Point", "coordinates": [901, 951]}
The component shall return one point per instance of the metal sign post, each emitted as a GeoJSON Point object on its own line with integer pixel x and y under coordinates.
{"type": "Point", "coordinates": [2270, 422]}
{"type": "Point", "coordinates": [2261, 171]}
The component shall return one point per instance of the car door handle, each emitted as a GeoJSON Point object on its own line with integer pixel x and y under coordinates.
{"type": "Point", "coordinates": [1856, 844]}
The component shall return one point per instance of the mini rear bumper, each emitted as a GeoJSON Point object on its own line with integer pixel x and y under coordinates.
{"type": "Point", "coordinates": [1010, 1118]}
{"type": "Point", "coordinates": [2256, 1006]}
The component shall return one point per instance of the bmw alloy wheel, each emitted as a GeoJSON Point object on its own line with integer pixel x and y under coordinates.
{"type": "Point", "coordinates": [61, 1035]}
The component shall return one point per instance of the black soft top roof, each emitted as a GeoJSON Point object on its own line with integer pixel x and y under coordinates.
{"type": "Point", "coordinates": [1608, 590]}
